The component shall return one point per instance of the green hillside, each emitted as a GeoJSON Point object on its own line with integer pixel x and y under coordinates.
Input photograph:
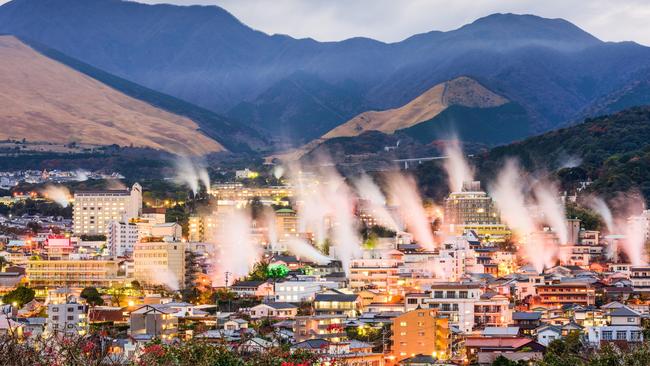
{"type": "Point", "coordinates": [491, 126]}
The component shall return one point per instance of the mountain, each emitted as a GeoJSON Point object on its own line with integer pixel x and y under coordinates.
{"type": "Point", "coordinates": [44, 100]}
{"type": "Point", "coordinates": [612, 151]}
{"type": "Point", "coordinates": [204, 55]}
{"type": "Point", "coordinates": [300, 107]}
{"type": "Point", "coordinates": [462, 91]}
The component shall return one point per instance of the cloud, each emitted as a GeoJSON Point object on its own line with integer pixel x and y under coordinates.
{"type": "Point", "coordinates": [390, 21]}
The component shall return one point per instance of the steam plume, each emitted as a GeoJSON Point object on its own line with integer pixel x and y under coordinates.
{"type": "Point", "coordinates": [305, 251]}
{"type": "Point", "coordinates": [58, 194]}
{"type": "Point", "coordinates": [554, 212]}
{"type": "Point", "coordinates": [403, 192]}
{"type": "Point", "coordinates": [192, 174]}
{"type": "Point", "coordinates": [458, 171]}
{"type": "Point", "coordinates": [600, 206]}
{"type": "Point", "coordinates": [370, 192]}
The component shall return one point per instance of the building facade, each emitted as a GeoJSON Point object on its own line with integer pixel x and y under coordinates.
{"type": "Point", "coordinates": [94, 209]}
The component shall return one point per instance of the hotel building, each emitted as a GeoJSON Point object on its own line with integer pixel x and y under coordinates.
{"type": "Point", "coordinates": [94, 209]}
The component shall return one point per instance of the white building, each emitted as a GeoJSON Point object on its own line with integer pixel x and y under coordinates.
{"type": "Point", "coordinates": [301, 291]}
{"type": "Point", "coordinates": [121, 237]}
{"type": "Point", "coordinates": [624, 325]}
{"type": "Point", "coordinates": [94, 209]}
{"type": "Point", "coordinates": [68, 318]}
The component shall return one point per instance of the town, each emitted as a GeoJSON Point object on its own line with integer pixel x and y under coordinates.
{"type": "Point", "coordinates": [340, 273]}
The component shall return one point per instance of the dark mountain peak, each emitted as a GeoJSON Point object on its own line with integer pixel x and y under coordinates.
{"type": "Point", "coordinates": [528, 28]}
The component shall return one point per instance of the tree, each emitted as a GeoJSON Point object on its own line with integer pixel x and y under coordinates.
{"type": "Point", "coordinates": [92, 296]}
{"type": "Point", "coordinates": [21, 295]}
{"type": "Point", "coordinates": [3, 261]}
{"type": "Point", "coordinates": [259, 272]}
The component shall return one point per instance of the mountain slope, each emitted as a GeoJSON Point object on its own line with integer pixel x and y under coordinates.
{"type": "Point", "coordinates": [236, 137]}
{"type": "Point", "coordinates": [43, 100]}
{"type": "Point", "coordinates": [461, 91]}
{"type": "Point", "coordinates": [300, 107]}
{"type": "Point", "coordinates": [204, 55]}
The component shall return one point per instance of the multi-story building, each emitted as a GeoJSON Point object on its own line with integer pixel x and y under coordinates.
{"type": "Point", "coordinates": [94, 209]}
{"type": "Point", "coordinates": [286, 224]}
{"type": "Point", "coordinates": [301, 291]}
{"type": "Point", "coordinates": [640, 277]}
{"type": "Point", "coordinates": [68, 318]}
{"type": "Point", "coordinates": [381, 274]}
{"type": "Point", "coordinates": [160, 263]}
{"type": "Point", "coordinates": [121, 237]}
{"type": "Point", "coordinates": [420, 331]}
{"type": "Point", "coordinates": [334, 302]}
{"type": "Point", "coordinates": [74, 273]}
{"type": "Point", "coordinates": [456, 301]}
{"type": "Point", "coordinates": [328, 327]}
{"type": "Point", "coordinates": [202, 227]}
{"type": "Point", "coordinates": [471, 206]}
{"type": "Point", "coordinates": [559, 294]}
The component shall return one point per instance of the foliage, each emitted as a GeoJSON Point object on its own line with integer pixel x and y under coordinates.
{"type": "Point", "coordinates": [92, 296]}
{"type": "Point", "coordinates": [259, 272]}
{"type": "Point", "coordinates": [277, 271]}
{"type": "Point", "coordinates": [589, 219]}
{"type": "Point", "coordinates": [20, 295]}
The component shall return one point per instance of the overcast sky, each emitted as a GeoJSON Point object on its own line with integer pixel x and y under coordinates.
{"type": "Point", "coordinates": [394, 20]}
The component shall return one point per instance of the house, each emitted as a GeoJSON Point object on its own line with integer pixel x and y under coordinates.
{"type": "Point", "coordinates": [278, 310]}
{"type": "Point", "coordinates": [624, 316]}
{"type": "Point", "coordinates": [477, 347]}
{"type": "Point", "coordinates": [256, 345]}
{"type": "Point", "coordinates": [253, 288]}
{"type": "Point", "coordinates": [334, 302]}
{"type": "Point", "coordinates": [68, 318]}
{"type": "Point", "coordinates": [235, 324]}
{"type": "Point", "coordinates": [156, 321]}
{"type": "Point", "coordinates": [527, 321]}
{"type": "Point", "coordinates": [328, 327]}
{"type": "Point", "coordinates": [547, 334]}
{"type": "Point", "coordinates": [317, 346]}
{"type": "Point", "coordinates": [420, 331]}
{"type": "Point", "coordinates": [106, 314]}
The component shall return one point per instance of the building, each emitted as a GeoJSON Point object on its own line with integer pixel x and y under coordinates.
{"type": "Point", "coordinates": [334, 302]}
{"type": "Point", "coordinates": [154, 321]}
{"type": "Point", "coordinates": [68, 318]}
{"type": "Point", "coordinates": [75, 273]}
{"type": "Point", "coordinates": [377, 273]}
{"type": "Point", "coordinates": [421, 331]}
{"type": "Point", "coordinates": [121, 237]}
{"type": "Point", "coordinates": [253, 288]}
{"type": "Point", "coordinates": [301, 291]}
{"type": "Point", "coordinates": [276, 310]}
{"type": "Point", "coordinates": [559, 294]}
{"type": "Point", "coordinates": [202, 227]}
{"type": "Point", "coordinates": [160, 263]}
{"type": "Point", "coordinates": [470, 206]}
{"type": "Point", "coordinates": [640, 277]}
{"type": "Point", "coordinates": [94, 209]}
{"type": "Point", "coordinates": [456, 301]}
{"type": "Point", "coordinates": [328, 327]}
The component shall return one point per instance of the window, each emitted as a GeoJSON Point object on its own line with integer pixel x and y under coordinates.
{"type": "Point", "coordinates": [437, 294]}
{"type": "Point", "coordinates": [630, 320]}
{"type": "Point", "coordinates": [412, 301]}
{"type": "Point", "coordinates": [621, 335]}
{"type": "Point", "coordinates": [463, 294]}
{"type": "Point", "coordinates": [420, 314]}
{"type": "Point", "coordinates": [607, 335]}
{"type": "Point", "coordinates": [402, 324]}
{"type": "Point", "coordinates": [635, 335]}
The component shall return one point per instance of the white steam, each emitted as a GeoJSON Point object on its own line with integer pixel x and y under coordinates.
{"type": "Point", "coordinates": [458, 171]}
{"type": "Point", "coordinates": [59, 194]}
{"type": "Point", "coordinates": [553, 209]}
{"type": "Point", "coordinates": [236, 251]}
{"type": "Point", "coordinates": [305, 251]}
{"type": "Point", "coordinates": [600, 206]}
{"type": "Point", "coordinates": [403, 192]}
{"type": "Point", "coordinates": [192, 174]}
{"type": "Point", "coordinates": [368, 191]}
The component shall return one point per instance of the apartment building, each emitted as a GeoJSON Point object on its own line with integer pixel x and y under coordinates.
{"type": "Point", "coordinates": [455, 301]}
{"type": "Point", "coordinates": [68, 318]}
{"type": "Point", "coordinates": [559, 294]}
{"type": "Point", "coordinates": [160, 263]}
{"type": "Point", "coordinates": [420, 331]}
{"type": "Point", "coordinates": [121, 237]}
{"type": "Point", "coordinates": [74, 273]}
{"type": "Point", "coordinates": [328, 327]}
{"type": "Point", "coordinates": [381, 274]}
{"type": "Point", "coordinates": [94, 209]}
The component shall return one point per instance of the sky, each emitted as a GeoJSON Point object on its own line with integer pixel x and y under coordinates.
{"type": "Point", "coordinates": [394, 20]}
